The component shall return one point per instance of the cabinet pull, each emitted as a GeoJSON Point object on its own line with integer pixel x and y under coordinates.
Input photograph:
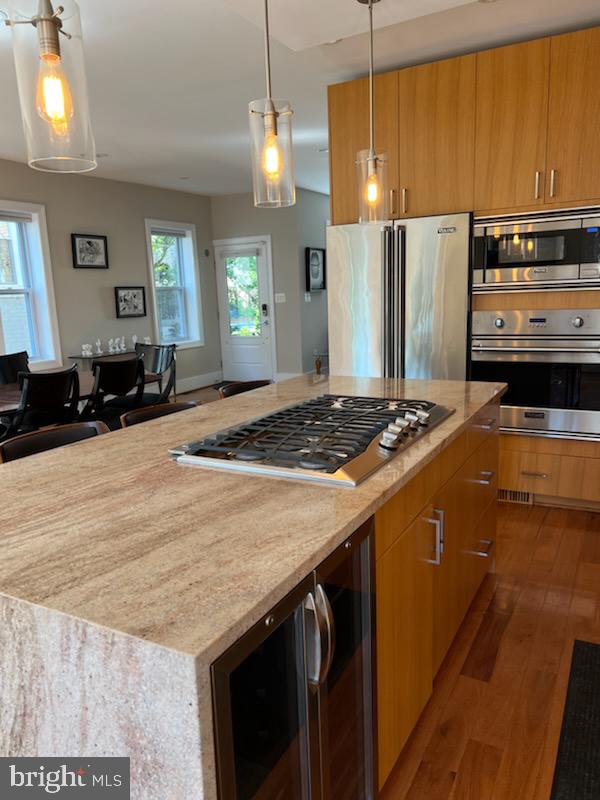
{"type": "Point", "coordinates": [485, 551]}
{"type": "Point", "coordinates": [486, 425]}
{"type": "Point", "coordinates": [536, 193]}
{"type": "Point", "coordinates": [553, 182]}
{"type": "Point", "coordinates": [486, 479]}
{"type": "Point", "coordinates": [392, 202]}
{"type": "Point", "coordinates": [404, 200]}
{"type": "Point", "coordinates": [438, 523]}
{"type": "Point", "coordinates": [529, 474]}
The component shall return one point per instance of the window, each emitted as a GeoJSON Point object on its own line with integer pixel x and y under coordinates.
{"type": "Point", "coordinates": [27, 310]}
{"type": "Point", "coordinates": [173, 263]}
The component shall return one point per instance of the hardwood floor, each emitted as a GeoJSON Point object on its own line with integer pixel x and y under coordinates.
{"type": "Point", "coordinates": [205, 395]}
{"type": "Point", "coordinates": [490, 731]}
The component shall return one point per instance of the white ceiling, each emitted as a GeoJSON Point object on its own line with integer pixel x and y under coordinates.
{"type": "Point", "coordinates": [170, 82]}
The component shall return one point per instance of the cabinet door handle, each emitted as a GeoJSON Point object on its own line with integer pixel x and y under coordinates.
{"type": "Point", "coordinates": [316, 640]}
{"type": "Point", "coordinates": [392, 202]}
{"type": "Point", "coordinates": [536, 193]}
{"type": "Point", "coordinates": [323, 605]}
{"type": "Point", "coordinates": [553, 173]}
{"type": "Point", "coordinates": [529, 474]}
{"type": "Point", "coordinates": [438, 523]}
{"type": "Point", "coordinates": [404, 200]}
{"type": "Point", "coordinates": [486, 425]}
{"type": "Point", "coordinates": [485, 551]}
{"type": "Point", "coordinates": [486, 479]}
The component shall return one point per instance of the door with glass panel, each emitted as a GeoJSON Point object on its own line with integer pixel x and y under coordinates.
{"type": "Point", "coordinates": [244, 291]}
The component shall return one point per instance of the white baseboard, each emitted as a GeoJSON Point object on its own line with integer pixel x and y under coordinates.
{"type": "Point", "coordinates": [284, 376]}
{"type": "Point", "coordinates": [198, 381]}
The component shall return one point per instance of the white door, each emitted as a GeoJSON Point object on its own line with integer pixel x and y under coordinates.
{"type": "Point", "coordinates": [244, 288]}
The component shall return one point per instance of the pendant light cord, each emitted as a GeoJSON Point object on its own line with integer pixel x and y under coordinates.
{"type": "Point", "coordinates": [267, 50]}
{"type": "Point", "coordinates": [371, 98]}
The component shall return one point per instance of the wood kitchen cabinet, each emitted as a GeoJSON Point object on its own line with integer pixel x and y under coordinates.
{"type": "Point", "coordinates": [573, 162]}
{"type": "Point", "coordinates": [404, 637]}
{"type": "Point", "coordinates": [436, 137]}
{"type": "Point", "coordinates": [512, 123]}
{"type": "Point", "coordinates": [349, 133]}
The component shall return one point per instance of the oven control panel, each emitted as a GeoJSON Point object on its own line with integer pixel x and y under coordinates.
{"type": "Point", "coordinates": [549, 323]}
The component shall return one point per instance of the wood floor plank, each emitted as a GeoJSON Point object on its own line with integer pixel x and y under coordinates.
{"type": "Point", "coordinates": [481, 659]}
{"type": "Point", "coordinates": [477, 772]}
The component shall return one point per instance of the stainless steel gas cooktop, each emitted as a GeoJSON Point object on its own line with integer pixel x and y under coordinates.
{"type": "Point", "coordinates": [337, 440]}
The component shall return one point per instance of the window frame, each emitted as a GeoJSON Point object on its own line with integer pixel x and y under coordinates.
{"type": "Point", "coordinates": [35, 252]}
{"type": "Point", "coordinates": [190, 267]}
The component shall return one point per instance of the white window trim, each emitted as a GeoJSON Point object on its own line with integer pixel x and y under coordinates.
{"type": "Point", "coordinates": [185, 227]}
{"type": "Point", "coordinates": [39, 232]}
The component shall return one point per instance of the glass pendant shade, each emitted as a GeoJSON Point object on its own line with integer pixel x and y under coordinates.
{"type": "Point", "coordinates": [52, 88]}
{"type": "Point", "coordinates": [373, 190]}
{"type": "Point", "coordinates": [272, 153]}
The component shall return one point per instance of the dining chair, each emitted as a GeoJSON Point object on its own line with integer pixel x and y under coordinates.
{"type": "Point", "coordinates": [28, 444]}
{"type": "Point", "coordinates": [118, 387]}
{"type": "Point", "coordinates": [159, 359]}
{"type": "Point", "coordinates": [154, 412]}
{"type": "Point", "coordinates": [47, 398]}
{"type": "Point", "coordinates": [237, 387]}
{"type": "Point", "coordinates": [10, 366]}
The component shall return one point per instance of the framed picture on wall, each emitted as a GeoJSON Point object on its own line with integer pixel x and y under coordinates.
{"type": "Point", "coordinates": [89, 251]}
{"type": "Point", "coordinates": [315, 269]}
{"type": "Point", "coordinates": [130, 301]}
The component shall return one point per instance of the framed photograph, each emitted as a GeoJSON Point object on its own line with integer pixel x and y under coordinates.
{"type": "Point", "coordinates": [130, 301]}
{"type": "Point", "coordinates": [89, 251]}
{"type": "Point", "coordinates": [315, 269]}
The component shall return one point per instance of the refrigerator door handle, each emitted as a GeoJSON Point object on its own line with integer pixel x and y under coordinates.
{"type": "Point", "coordinates": [316, 641]}
{"type": "Point", "coordinates": [324, 607]}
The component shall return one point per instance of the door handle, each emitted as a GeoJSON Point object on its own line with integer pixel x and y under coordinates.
{"type": "Point", "coordinates": [324, 609]}
{"type": "Point", "coordinates": [265, 310]}
{"type": "Point", "coordinates": [536, 192]}
{"type": "Point", "coordinates": [404, 200]}
{"type": "Point", "coordinates": [392, 202]}
{"type": "Point", "coordinates": [316, 640]}
{"type": "Point", "coordinates": [438, 523]}
{"type": "Point", "coordinates": [553, 173]}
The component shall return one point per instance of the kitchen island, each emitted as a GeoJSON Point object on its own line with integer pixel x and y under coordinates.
{"type": "Point", "coordinates": [123, 576]}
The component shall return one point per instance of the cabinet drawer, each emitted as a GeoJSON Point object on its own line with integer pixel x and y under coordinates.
{"type": "Point", "coordinates": [485, 422]}
{"type": "Point", "coordinates": [551, 475]}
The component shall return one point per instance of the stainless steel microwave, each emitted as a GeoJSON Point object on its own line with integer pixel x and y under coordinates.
{"type": "Point", "coordinates": [526, 252]}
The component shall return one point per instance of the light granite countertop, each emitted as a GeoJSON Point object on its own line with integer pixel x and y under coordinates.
{"type": "Point", "coordinates": [123, 575]}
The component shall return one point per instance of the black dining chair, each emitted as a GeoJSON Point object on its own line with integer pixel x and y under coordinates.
{"type": "Point", "coordinates": [159, 359]}
{"type": "Point", "coordinates": [47, 398]}
{"type": "Point", "coordinates": [147, 413]}
{"type": "Point", "coordinates": [238, 387]}
{"type": "Point", "coordinates": [10, 366]}
{"type": "Point", "coordinates": [118, 387]}
{"type": "Point", "coordinates": [28, 444]}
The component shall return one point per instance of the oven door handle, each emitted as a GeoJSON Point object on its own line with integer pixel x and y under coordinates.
{"type": "Point", "coordinates": [481, 349]}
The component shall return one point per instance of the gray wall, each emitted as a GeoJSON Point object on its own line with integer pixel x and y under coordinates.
{"type": "Point", "coordinates": [85, 298]}
{"type": "Point", "coordinates": [313, 213]}
{"type": "Point", "coordinates": [300, 326]}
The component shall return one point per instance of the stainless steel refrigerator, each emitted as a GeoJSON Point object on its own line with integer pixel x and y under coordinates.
{"type": "Point", "coordinates": [398, 298]}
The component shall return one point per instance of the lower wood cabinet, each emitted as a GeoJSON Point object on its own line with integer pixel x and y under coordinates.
{"type": "Point", "coordinates": [428, 569]}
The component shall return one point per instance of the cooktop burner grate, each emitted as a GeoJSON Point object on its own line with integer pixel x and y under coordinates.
{"type": "Point", "coordinates": [321, 435]}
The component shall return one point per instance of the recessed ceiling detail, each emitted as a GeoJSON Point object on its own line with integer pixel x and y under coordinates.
{"type": "Point", "coordinates": [314, 22]}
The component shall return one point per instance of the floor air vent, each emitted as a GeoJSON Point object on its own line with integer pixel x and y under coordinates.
{"type": "Point", "coordinates": [511, 496]}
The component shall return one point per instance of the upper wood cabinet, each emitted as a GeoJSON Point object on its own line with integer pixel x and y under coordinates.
{"type": "Point", "coordinates": [349, 133]}
{"type": "Point", "coordinates": [436, 137]}
{"type": "Point", "coordinates": [573, 162]}
{"type": "Point", "coordinates": [512, 115]}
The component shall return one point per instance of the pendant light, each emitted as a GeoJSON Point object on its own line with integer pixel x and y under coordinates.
{"type": "Point", "coordinates": [271, 144]}
{"type": "Point", "coordinates": [371, 167]}
{"type": "Point", "coordinates": [49, 62]}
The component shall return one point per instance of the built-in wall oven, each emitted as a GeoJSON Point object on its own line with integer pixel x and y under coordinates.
{"type": "Point", "coordinates": [294, 698]}
{"type": "Point", "coordinates": [536, 252]}
{"type": "Point", "coordinates": [551, 363]}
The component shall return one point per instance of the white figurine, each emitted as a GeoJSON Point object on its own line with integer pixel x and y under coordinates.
{"type": "Point", "coordinates": [86, 350]}
{"type": "Point", "coordinates": [147, 340]}
{"type": "Point", "coordinates": [110, 346]}
{"type": "Point", "coordinates": [98, 347]}
{"type": "Point", "coordinates": [134, 340]}
{"type": "Point", "coordinates": [123, 345]}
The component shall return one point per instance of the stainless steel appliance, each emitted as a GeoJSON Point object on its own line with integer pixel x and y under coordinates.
{"type": "Point", "coordinates": [551, 363]}
{"type": "Point", "coordinates": [332, 439]}
{"type": "Point", "coordinates": [294, 698]}
{"type": "Point", "coordinates": [398, 297]}
{"type": "Point", "coordinates": [536, 252]}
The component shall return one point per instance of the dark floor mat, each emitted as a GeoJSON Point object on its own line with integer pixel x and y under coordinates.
{"type": "Point", "coordinates": [577, 771]}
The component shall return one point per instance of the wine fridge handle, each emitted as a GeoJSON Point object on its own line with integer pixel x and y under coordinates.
{"type": "Point", "coordinates": [324, 606]}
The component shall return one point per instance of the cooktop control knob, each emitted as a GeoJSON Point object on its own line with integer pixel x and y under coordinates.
{"type": "Point", "coordinates": [402, 423]}
{"type": "Point", "coordinates": [577, 322]}
{"type": "Point", "coordinates": [499, 322]}
{"type": "Point", "coordinates": [412, 418]}
{"type": "Point", "coordinates": [423, 416]}
{"type": "Point", "coordinates": [396, 429]}
{"type": "Point", "coordinates": [389, 440]}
